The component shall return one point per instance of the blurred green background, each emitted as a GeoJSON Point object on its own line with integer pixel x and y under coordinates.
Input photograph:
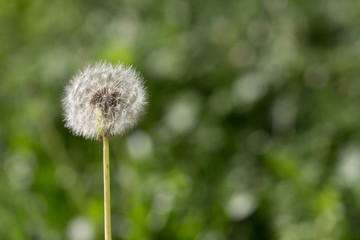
{"type": "Point", "coordinates": [252, 131]}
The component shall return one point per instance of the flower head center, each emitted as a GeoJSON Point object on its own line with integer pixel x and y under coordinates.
{"type": "Point", "coordinates": [105, 100]}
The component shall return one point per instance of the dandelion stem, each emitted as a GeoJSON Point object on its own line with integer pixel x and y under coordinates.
{"type": "Point", "coordinates": [107, 211]}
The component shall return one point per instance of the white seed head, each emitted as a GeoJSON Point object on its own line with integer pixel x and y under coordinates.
{"type": "Point", "coordinates": [104, 100]}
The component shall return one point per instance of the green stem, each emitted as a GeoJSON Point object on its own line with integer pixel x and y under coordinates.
{"type": "Point", "coordinates": [107, 211]}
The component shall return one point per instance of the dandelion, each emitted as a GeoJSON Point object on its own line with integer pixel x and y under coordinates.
{"type": "Point", "coordinates": [102, 101]}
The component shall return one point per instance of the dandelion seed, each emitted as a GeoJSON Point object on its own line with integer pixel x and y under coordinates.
{"type": "Point", "coordinates": [104, 100]}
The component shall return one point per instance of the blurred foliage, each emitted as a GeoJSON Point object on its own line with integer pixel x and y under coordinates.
{"type": "Point", "coordinates": [252, 130]}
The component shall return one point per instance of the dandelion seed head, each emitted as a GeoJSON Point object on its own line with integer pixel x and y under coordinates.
{"type": "Point", "coordinates": [104, 100]}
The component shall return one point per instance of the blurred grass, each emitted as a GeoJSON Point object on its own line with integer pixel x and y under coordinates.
{"type": "Point", "coordinates": [252, 131]}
